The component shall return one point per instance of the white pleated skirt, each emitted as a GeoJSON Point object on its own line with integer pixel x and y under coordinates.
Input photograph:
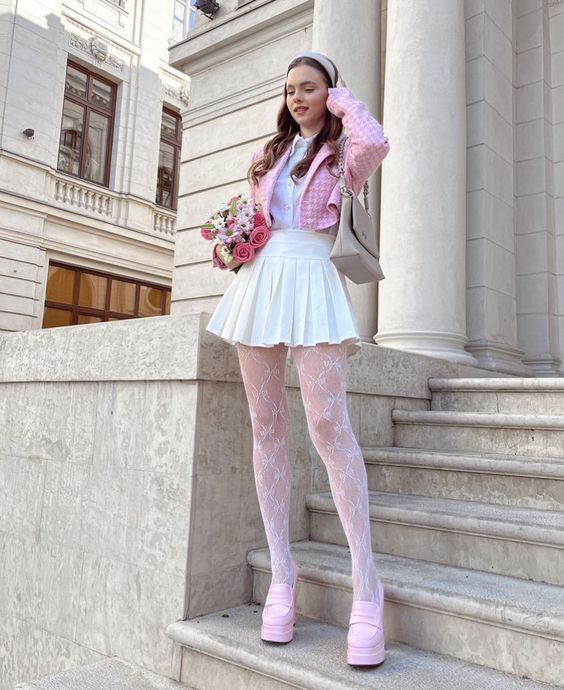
{"type": "Point", "coordinates": [290, 293]}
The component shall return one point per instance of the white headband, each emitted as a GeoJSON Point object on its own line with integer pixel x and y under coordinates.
{"type": "Point", "coordinates": [323, 60]}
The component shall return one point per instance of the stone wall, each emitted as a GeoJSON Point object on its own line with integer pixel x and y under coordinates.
{"type": "Point", "coordinates": [127, 496]}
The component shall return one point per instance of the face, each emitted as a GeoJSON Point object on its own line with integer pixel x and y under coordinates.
{"type": "Point", "coordinates": [306, 96]}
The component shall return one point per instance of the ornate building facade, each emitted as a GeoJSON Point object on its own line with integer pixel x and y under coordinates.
{"type": "Point", "coordinates": [471, 197]}
{"type": "Point", "coordinates": [90, 134]}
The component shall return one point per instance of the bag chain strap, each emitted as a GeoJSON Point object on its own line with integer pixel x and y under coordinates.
{"type": "Point", "coordinates": [344, 188]}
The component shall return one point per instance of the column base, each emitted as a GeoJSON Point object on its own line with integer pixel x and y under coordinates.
{"type": "Point", "coordinates": [442, 345]}
{"type": "Point", "coordinates": [544, 365]}
{"type": "Point", "coordinates": [496, 357]}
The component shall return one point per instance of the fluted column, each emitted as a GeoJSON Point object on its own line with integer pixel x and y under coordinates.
{"type": "Point", "coordinates": [422, 305]}
{"type": "Point", "coordinates": [349, 33]}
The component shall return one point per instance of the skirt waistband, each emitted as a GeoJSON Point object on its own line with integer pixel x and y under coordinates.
{"type": "Point", "coordinates": [297, 244]}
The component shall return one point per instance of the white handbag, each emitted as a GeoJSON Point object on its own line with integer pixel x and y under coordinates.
{"type": "Point", "coordinates": [355, 251]}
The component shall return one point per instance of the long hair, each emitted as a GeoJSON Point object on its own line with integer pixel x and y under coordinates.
{"type": "Point", "coordinates": [287, 128]}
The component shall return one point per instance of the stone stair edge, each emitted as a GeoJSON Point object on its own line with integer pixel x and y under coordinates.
{"type": "Point", "coordinates": [479, 419]}
{"type": "Point", "coordinates": [304, 663]}
{"type": "Point", "coordinates": [550, 384]}
{"type": "Point", "coordinates": [503, 521]}
{"type": "Point", "coordinates": [221, 647]}
{"type": "Point", "coordinates": [526, 616]}
{"type": "Point", "coordinates": [498, 463]}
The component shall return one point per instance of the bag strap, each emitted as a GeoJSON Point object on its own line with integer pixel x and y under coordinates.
{"type": "Point", "coordinates": [344, 189]}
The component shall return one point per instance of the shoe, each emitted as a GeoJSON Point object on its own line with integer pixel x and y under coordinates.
{"type": "Point", "coordinates": [279, 613]}
{"type": "Point", "coordinates": [365, 640]}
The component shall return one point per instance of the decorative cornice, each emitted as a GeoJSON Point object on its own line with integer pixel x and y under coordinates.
{"type": "Point", "coordinates": [98, 49]}
{"type": "Point", "coordinates": [177, 92]}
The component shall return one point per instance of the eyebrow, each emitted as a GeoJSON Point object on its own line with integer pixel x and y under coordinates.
{"type": "Point", "coordinates": [303, 83]}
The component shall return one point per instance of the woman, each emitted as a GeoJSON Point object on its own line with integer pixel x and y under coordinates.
{"type": "Point", "coordinates": [292, 296]}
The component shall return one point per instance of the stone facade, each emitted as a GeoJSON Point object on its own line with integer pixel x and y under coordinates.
{"type": "Point", "coordinates": [46, 214]}
{"type": "Point", "coordinates": [127, 498]}
{"type": "Point", "coordinates": [476, 126]}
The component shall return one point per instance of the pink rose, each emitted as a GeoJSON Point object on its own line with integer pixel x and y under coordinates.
{"type": "Point", "coordinates": [207, 234]}
{"type": "Point", "coordinates": [243, 252]}
{"type": "Point", "coordinates": [259, 236]}
{"type": "Point", "coordinates": [259, 219]}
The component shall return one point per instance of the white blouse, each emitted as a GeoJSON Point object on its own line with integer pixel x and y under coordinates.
{"type": "Point", "coordinates": [285, 202]}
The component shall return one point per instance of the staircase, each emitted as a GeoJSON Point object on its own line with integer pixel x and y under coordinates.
{"type": "Point", "coordinates": [467, 510]}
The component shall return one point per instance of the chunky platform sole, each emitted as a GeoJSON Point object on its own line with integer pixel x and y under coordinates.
{"type": "Point", "coordinates": [281, 628]}
{"type": "Point", "coordinates": [277, 633]}
{"type": "Point", "coordinates": [365, 657]}
{"type": "Point", "coordinates": [369, 650]}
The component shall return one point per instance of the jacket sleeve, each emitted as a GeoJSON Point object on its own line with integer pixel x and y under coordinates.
{"type": "Point", "coordinates": [367, 145]}
{"type": "Point", "coordinates": [216, 261]}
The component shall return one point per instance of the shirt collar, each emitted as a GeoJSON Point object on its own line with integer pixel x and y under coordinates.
{"type": "Point", "coordinates": [301, 142]}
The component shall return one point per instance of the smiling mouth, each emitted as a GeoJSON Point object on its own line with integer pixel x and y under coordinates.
{"type": "Point", "coordinates": [300, 110]}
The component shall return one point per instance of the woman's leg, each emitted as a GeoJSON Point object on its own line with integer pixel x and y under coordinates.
{"type": "Point", "coordinates": [322, 370]}
{"type": "Point", "coordinates": [262, 369]}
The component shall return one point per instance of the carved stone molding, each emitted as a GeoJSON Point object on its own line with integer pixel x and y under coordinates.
{"type": "Point", "coordinates": [98, 49]}
{"type": "Point", "coordinates": [179, 93]}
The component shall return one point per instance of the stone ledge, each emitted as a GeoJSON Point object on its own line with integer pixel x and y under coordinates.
{"type": "Point", "coordinates": [499, 600]}
{"type": "Point", "coordinates": [490, 463]}
{"type": "Point", "coordinates": [467, 517]}
{"type": "Point", "coordinates": [315, 659]}
{"type": "Point", "coordinates": [110, 674]}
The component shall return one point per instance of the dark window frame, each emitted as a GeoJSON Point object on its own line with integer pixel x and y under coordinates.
{"type": "Point", "coordinates": [88, 106]}
{"type": "Point", "coordinates": [106, 314]}
{"type": "Point", "coordinates": [176, 143]}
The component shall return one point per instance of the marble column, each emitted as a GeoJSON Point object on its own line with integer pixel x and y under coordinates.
{"type": "Point", "coordinates": [349, 33]}
{"type": "Point", "coordinates": [422, 305]}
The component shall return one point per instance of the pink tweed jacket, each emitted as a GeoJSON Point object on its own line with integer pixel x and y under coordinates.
{"type": "Point", "coordinates": [320, 204]}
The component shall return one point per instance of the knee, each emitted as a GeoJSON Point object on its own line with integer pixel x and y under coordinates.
{"type": "Point", "coordinates": [270, 423]}
{"type": "Point", "coordinates": [322, 430]}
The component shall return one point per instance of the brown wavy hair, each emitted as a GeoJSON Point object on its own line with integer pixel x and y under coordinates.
{"type": "Point", "coordinates": [287, 128]}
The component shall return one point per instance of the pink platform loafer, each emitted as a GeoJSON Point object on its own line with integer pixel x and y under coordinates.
{"type": "Point", "coordinates": [279, 613]}
{"type": "Point", "coordinates": [365, 640]}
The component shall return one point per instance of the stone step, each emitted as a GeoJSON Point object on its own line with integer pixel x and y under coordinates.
{"type": "Point", "coordinates": [223, 651]}
{"type": "Point", "coordinates": [497, 621]}
{"type": "Point", "coordinates": [532, 435]}
{"type": "Point", "coordinates": [497, 539]}
{"type": "Point", "coordinates": [109, 674]}
{"type": "Point", "coordinates": [519, 481]}
{"type": "Point", "coordinates": [501, 395]}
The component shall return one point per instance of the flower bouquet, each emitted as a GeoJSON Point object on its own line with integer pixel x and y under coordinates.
{"type": "Point", "coordinates": [239, 227]}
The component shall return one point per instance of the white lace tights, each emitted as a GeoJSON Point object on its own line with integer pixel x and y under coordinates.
{"type": "Point", "coordinates": [322, 371]}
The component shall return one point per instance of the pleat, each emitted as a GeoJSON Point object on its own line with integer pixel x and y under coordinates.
{"type": "Point", "coordinates": [284, 297]}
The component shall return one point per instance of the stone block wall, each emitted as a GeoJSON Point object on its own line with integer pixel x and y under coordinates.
{"type": "Point", "coordinates": [127, 496]}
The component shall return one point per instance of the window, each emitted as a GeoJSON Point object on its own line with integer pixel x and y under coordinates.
{"type": "Point", "coordinates": [78, 295]}
{"type": "Point", "coordinates": [169, 159]}
{"type": "Point", "coordinates": [184, 18]}
{"type": "Point", "coordinates": [87, 127]}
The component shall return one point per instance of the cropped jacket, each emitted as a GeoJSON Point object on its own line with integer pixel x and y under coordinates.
{"type": "Point", "coordinates": [320, 203]}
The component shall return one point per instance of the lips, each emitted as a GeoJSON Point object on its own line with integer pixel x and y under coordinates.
{"type": "Point", "coordinates": [298, 111]}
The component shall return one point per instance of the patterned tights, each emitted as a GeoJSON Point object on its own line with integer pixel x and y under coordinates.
{"type": "Point", "coordinates": [322, 372]}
